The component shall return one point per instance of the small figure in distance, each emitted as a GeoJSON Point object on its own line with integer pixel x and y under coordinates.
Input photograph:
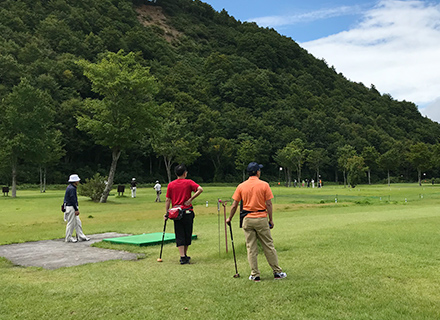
{"type": "Point", "coordinates": [133, 185]}
{"type": "Point", "coordinates": [158, 189]}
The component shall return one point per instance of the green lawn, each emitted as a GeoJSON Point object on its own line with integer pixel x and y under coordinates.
{"type": "Point", "coordinates": [371, 255]}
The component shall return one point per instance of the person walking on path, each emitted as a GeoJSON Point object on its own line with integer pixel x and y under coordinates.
{"type": "Point", "coordinates": [158, 189]}
{"type": "Point", "coordinates": [133, 185]}
{"type": "Point", "coordinates": [257, 220]}
{"type": "Point", "coordinates": [179, 194]}
{"type": "Point", "coordinates": [71, 214]}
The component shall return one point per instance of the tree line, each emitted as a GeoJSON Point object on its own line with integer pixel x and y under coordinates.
{"type": "Point", "coordinates": [87, 87]}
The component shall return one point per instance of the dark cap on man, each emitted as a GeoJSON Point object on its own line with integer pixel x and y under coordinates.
{"type": "Point", "coordinates": [254, 167]}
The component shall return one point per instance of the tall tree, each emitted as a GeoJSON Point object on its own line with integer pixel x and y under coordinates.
{"type": "Point", "coordinates": [175, 144]}
{"type": "Point", "coordinates": [356, 170]}
{"type": "Point", "coordinates": [127, 109]}
{"type": "Point", "coordinates": [420, 157]}
{"type": "Point", "coordinates": [292, 157]}
{"type": "Point", "coordinates": [316, 159]}
{"type": "Point", "coordinates": [371, 156]}
{"type": "Point", "coordinates": [344, 153]}
{"type": "Point", "coordinates": [390, 160]}
{"type": "Point", "coordinates": [26, 120]}
{"type": "Point", "coordinates": [246, 153]}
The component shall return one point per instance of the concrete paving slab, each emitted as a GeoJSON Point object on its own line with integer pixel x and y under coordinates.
{"type": "Point", "coordinates": [54, 254]}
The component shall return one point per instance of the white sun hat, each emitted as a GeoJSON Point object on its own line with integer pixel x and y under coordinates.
{"type": "Point", "coordinates": [74, 178]}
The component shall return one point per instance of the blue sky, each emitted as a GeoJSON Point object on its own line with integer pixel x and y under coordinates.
{"type": "Point", "coordinates": [393, 44]}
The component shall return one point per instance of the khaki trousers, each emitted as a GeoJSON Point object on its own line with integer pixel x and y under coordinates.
{"type": "Point", "coordinates": [258, 229]}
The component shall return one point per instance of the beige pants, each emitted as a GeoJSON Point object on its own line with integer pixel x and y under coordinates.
{"type": "Point", "coordinates": [258, 229]}
{"type": "Point", "coordinates": [73, 224]}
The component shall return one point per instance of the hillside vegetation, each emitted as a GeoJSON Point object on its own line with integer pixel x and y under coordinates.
{"type": "Point", "coordinates": [227, 92]}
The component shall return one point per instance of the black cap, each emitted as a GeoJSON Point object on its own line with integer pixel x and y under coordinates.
{"type": "Point", "coordinates": [253, 167]}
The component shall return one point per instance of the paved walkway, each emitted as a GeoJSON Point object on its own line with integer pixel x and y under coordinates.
{"type": "Point", "coordinates": [54, 254]}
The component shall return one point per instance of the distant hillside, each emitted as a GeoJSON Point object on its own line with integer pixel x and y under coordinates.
{"type": "Point", "coordinates": [231, 81]}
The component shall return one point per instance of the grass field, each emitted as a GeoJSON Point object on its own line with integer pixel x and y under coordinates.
{"type": "Point", "coordinates": [364, 253]}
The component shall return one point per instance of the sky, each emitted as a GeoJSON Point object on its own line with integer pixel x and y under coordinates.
{"type": "Point", "coordinates": [391, 44]}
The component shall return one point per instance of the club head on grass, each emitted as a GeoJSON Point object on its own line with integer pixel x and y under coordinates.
{"type": "Point", "coordinates": [236, 275]}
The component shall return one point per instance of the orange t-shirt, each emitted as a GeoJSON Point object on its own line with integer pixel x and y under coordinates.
{"type": "Point", "coordinates": [254, 193]}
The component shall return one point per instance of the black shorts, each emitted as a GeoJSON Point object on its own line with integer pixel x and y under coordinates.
{"type": "Point", "coordinates": [183, 229]}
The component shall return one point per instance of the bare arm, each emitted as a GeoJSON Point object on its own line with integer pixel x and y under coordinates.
{"type": "Point", "coordinates": [167, 206]}
{"type": "Point", "coordinates": [195, 195]}
{"type": "Point", "coordinates": [232, 212]}
{"type": "Point", "coordinates": [269, 208]}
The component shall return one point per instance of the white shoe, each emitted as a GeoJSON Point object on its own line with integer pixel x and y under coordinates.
{"type": "Point", "coordinates": [73, 240]}
{"type": "Point", "coordinates": [279, 275]}
{"type": "Point", "coordinates": [85, 239]}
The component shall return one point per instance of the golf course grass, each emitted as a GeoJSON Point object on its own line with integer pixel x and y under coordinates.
{"type": "Point", "coordinates": [364, 253]}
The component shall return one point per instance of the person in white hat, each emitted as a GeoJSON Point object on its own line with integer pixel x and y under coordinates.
{"type": "Point", "coordinates": [133, 187]}
{"type": "Point", "coordinates": [72, 212]}
{"type": "Point", "coordinates": [158, 189]}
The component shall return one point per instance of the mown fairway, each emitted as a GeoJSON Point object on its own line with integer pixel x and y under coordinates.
{"type": "Point", "coordinates": [372, 255]}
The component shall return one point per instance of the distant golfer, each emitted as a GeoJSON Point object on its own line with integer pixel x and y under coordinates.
{"type": "Point", "coordinates": [179, 194]}
{"type": "Point", "coordinates": [158, 189]}
{"type": "Point", "coordinates": [72, 212]}
{"type": "Point", "coordinates": [133, 185]}
{"type": "Point", "coordinates": [257, 206]}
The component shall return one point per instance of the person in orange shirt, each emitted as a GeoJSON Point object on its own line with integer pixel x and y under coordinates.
{"type": "Point", "coordinates": [257, 206]}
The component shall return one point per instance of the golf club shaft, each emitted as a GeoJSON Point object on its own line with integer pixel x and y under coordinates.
{"type": "Point", "coordinates": [163, 237]}
{"type": "Point", "coordinates": [233, 248]}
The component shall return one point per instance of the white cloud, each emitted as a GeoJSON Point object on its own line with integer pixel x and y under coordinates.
{"type": "Point", "coordinates": [284, 20]}
{"type": "Point", "coordinates": [396, 47]}
{"type": "Point", "coordinates": [432, 110]}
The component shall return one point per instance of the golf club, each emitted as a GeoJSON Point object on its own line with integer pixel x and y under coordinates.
{"type": "Point", "coordinates": [226, 228]}
{"type": "Point", "coordinates": [163, 237]}
{"type": "Point", "coordinates": [236, 275]}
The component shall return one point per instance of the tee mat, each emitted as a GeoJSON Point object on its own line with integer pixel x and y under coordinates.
{"type": "Point", "coordinates": [146, 239]}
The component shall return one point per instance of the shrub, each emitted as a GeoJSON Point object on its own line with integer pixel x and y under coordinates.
{"type": "Point", "coordinates": [93, 187]}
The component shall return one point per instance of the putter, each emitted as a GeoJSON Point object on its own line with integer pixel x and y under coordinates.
{"type": "Point", "coordinates": [236, 275]}
{"type": "Point", "coordinates": [163, 237]}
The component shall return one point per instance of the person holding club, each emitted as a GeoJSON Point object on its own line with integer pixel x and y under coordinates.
{"type": "Point", "coordinates": [179, 195]}
{"type": "Point", "coordinates": [257, 220]}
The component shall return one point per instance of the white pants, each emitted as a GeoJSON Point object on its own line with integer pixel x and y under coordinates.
{"type": "Point", "coordinates": [73, 223]}
{"type": "Point", "coordinates": [133, 192]}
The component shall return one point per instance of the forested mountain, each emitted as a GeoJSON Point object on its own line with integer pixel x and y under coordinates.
{"type": "Point", "coordinates": [227, 92]}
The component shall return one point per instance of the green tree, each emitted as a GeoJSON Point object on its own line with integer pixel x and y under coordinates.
{"type": "Point", "coordinates": [127, 110]}
{"type": "Point", "coordinates": [220, 151]}
{"type": "Point", "coordinates": [292, 157]}
{"type": "Point", "coordinates": [246, 153]}
{"type": "Point", "coordinates": [420, 157]}
{"type": "Point", "coordinates": [390, 160]}
{"type": "Point", "coordinates": [26, 122]}
{"type": "Point", "coordinates": [316, 159]}
{"type": "Point", "coordinates": [344, 153]}
{"type": "Point", "coordinates": [371, 156]}
{"type": "Point", "coordinates": [356, 170]}
{"type": "Point", "coordinates": [175, 144]}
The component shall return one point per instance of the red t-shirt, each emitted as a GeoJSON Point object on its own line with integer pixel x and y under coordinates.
{"type": "Point", "coordinates": [180, 190]}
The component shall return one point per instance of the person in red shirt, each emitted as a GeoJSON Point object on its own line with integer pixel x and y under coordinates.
{"type": "Point", "coordinates": [180, 193]}
{"type": "Point", "coordinates": [258, 220]}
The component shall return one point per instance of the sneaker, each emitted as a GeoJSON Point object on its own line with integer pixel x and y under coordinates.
{"type": "Point", "coordinates": [254, 278]}
{"type": "Point", "coordinates": [184, 260]}
{"type": "Point", "coordinates": [279, 275]}
{"type": "Point", "coordinates": [85, 239]}
{"type": "Point", "coordinates": [71, 240]}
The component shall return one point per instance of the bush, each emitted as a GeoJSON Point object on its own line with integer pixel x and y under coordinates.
{"type": "Point", "coordinates": [93, 187]}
